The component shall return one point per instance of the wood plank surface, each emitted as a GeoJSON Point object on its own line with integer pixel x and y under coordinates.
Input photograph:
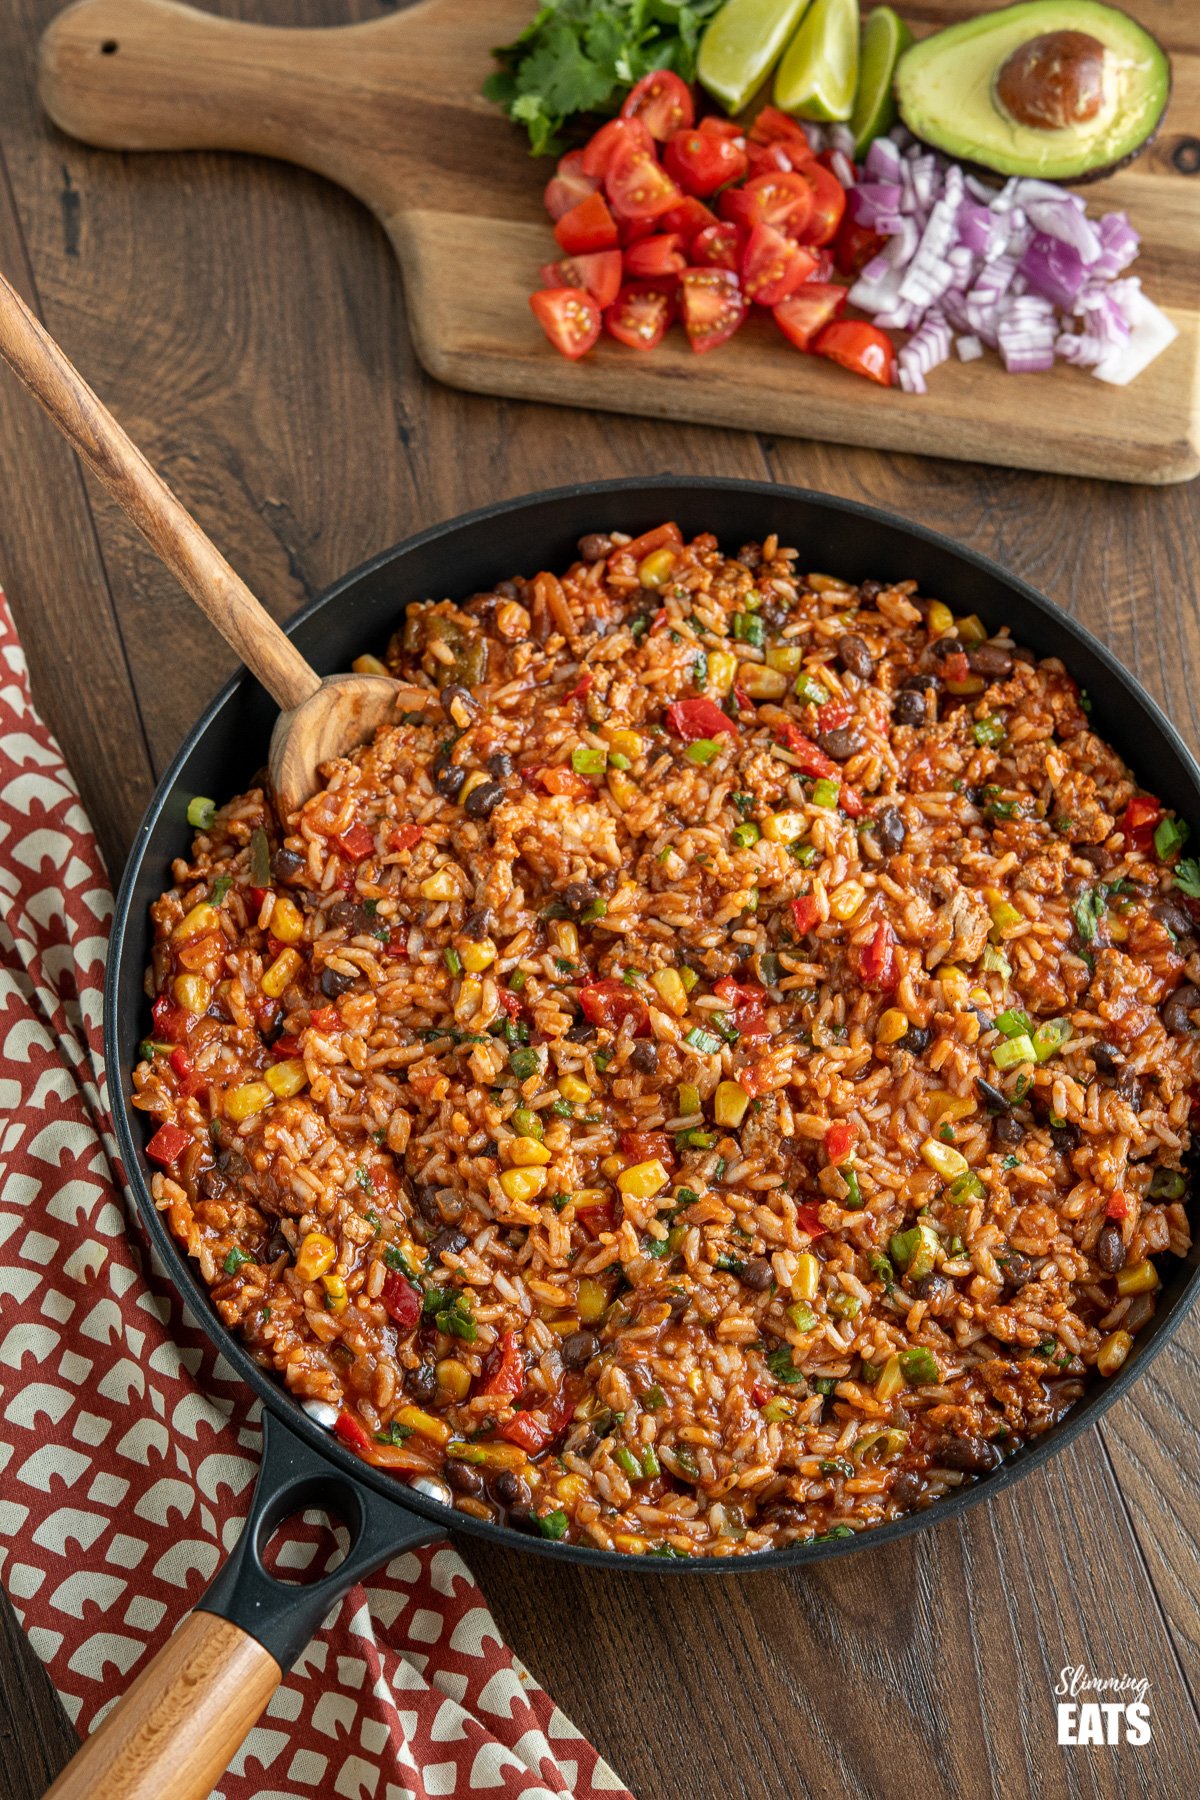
{"type": "Point", "coordinates": [247, 324]}
{"type": "Point", "coordinates": [451, 183]}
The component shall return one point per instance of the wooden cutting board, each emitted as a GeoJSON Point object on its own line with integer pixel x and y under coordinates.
{"type": "Point", "coordinates": [391, 110]}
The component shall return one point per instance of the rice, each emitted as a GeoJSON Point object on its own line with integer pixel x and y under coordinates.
{"type": "Point", "coordinates": [717, 1074]}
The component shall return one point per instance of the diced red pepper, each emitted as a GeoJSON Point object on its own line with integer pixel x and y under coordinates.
{"type": "Point", "coordinates": [356, 843]}
{"type": "Point", "coordinates": [851, 801]}
{"type": "Point", "coordinates": [741, 698]}
{"type": "Point", "coordinates": [648, 1146]}
{"type": "Point", "coordinates": [170, 1021]}
{"type": "Point", "coordinates": [352, 1434]}
{"type": "Point", "coordinates": [662, 537]}
{"type": "Point", "coordinates": [504, 1370]}
{"type": "Point", "coordinates": [1140, 818]}
{"type": "Point", "coordinates": [877, 964]}
{"type": "Point", "coordinates": [397, 941]}
{"type": "Point", "coordinates": [699, 718]}
{"type": "Point", "coordinates": [808, 1218]}
{"type": "Point", "coordinates": [760, 1394]}
{"type": "Point", "coordinates": [560, 780]}
{"type": "Point", "coordinates": [511, 1003]}
{"type": "Point", "coordinates": [812, 759]}
{"type": "Point", "coordinates": [1118, 1206]}
{"type": "Point", "coordinates": [256, 896]}
{"type": "Point", "coordinates": [168, 1145]}
{"type": "Point", "coordinates": [805, 914]}
{"type": "Point", "coordinates": [535, 1431]}
{"type": "Point", "coordinates": [747, 1005]}
{"type": "Point", "coordinates": [285, 1047]}
{"type": "Point", "coordinates": [659, 621]}
{"type": "Point", "coordinates": [956, 667]}
{"type": "Point", "coordinates": [325, 1018]}
{"type": "Point", "coordinates": [401, 1300]}
{"type": "Point", "coordinates": [839, 1140]}
{"type": "Point", "coordinates": [600, 1217]}
{"type": "Point", "coordinates": [185, 1071]}
{"type": "Point", "coordinates": [405, 836]}
{"type": "Point", "coordinates": [834, 714]}
{"type": "Point", "coordinates": [609, 1002]}
{"type": "Point", "coordinates": [582, 686]}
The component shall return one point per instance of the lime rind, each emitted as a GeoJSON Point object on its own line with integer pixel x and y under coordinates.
{"type": "Point", "coordinates": [885, 38]}
{"type": "Point", "coordinates": [742, 45]}
{"type": "Point", "coordinates": [818, 77]}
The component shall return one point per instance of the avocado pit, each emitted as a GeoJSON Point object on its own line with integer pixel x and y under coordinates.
{"type": "Point", "coordinates": [1054, 81]}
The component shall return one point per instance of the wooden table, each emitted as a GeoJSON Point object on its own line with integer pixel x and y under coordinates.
{"type": "Point", "coordinates": [246, 322]}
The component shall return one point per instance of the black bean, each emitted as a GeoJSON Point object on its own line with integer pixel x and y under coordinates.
{"type": "Point", "coordinates": [334, 985]}
{"type": "Point", "coordinates": [1008, 1130]}
{"type": "Point", "coordinates": [855, 657]}
{"type": "Point", "coordinates": [581, 1032]}
{"type": "Point", "coordinates": [1023, 654]}
{"type": "Point", "coordinates": [449, 1242]}
{"type": "Point", "coordinates": [483, 799]}
{"type": "Point", "coordinates": [916, 1039]}
{"type": "Point", "coordinates": [1064, 1138]}
{"type": "Point", "coordinates": [425, 1199]}
{"type": "Point", "coordinates": [946, 646]}
{"type": "Point", "coordinates": [841, 744]}
{"type": "Point", "coordinates": [1178, 922]}
{"type": "Point", "coordinates": [478, 924]}
{"type": "Point", "coordinates": [579, 895]}
{"type": "Point", "coordinates": [422, 1383]}
{"type": "Point", "coordinates": [1110, 1249]}
{"type": "Point", "coordinates": [870, 590]}
{"type": "Point", "coordinates": [508, 1488]}
{"type": "Point", "coordinates": [920, 684]}
{"type": "Point", "coordinates": [972, 1455]}
{"type": "Point", "coordinates": [679, 1305]}
{"type": "Point", "coordinates": [644, 1058]}
{"type": "Point", "coordinates": [1106, 1057]}
{"type": "Point", "coordinates": [463, 1478]}
{"type": "Point", "coordinates": [993, 660]}
{"type": "Point", "coordinates": [891, 829]}
{"type": "Point", "coordinates": [785, 1515]}
{"type": "Point", "coordinates": [908, 1487]}
{"type": "Point", "coordinates": [286, 864]}
{"type": "Point", "coordinates": [500, 764]}
{"type": "Point", "coordinates": [521, 1518]}
{"type": "Point", "coordinates": [579, 1348]}
{"type": "Point", "coordinates": [453, 691]}
{"type": "Point", "coordinates": [352, 917]}
{"type": "Point", "coordinates": [595, 546]}
{"type": "Point", "coordinates": [1018, 1270]}
{"type": "Point", "coordinates": [757, 1274]}
{"type": "Point", "coordinates": [1130, 1090]}
{"type": "Point", "coordinates": [993, 1097]}
{"type": "Point", "coordinates": [448, 779]}
{"type": "Point", "coordinates": [1096, 854]}
{"type": "Point", "coordinates": [910, 707]}
{"type": "Point", "coordinates": [932, 1288]}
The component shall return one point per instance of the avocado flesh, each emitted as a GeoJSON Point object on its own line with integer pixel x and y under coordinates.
{"type": "Point", "coordinates": [945, 90]}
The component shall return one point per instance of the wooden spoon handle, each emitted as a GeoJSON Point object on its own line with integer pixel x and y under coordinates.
{"type": "Point", "coordinates": [175, 1731]}
{"type": "Point", "coordinates": [170, 529]}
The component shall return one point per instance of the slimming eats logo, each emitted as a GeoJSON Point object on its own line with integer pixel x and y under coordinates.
{"type": "Point", "coordinates": [1120, 1714]}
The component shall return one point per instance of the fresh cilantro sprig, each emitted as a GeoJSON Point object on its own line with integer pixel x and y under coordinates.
{"type": "Point", "coordinates": [1187, 876]}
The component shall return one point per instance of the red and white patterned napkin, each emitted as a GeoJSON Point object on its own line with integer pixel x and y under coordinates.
{"type": "Point", "coordinates": [128, 1447]}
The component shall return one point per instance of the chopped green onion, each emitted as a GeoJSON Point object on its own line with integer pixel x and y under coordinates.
{"type": "Point", "coordinates": [1170, 835]}
{"type": "Point", "coordinates": [702, 751]}
{"type": "Point", "coordinates": [618, 760]}
{"type": "Point", "coordinates": [1013, 1051]}
{"type": "Point", "coordinates": [201, 812]}
{"type": "Point", "coordinates": [702, 1041]}
{"type": "Point", "coordinates": [995, 961]}
{"type": "Point", "coordinates": [554, 1524]}
{"type": "Point", "coordinates": [220, 888]}
{"type": "Point", "coordinates": [782, 1368]}
{"type": "Point", "coordinates": [825, 792]}
{"type": "Point", "coordinates": [689, 978]}
{"type": "Point", "coordinates": [1168, 1184]}
{"type": "Point", "coordinates": [654, 1399]}
{"type": "Point", "coordinates": [586, 761]}
{"type": "Point", "coordinates": [809, 689]}
{"type": "Point", "coordinates": [516, 981]}
{"type": "Point", "coordinates": [805, 854]}
{"type": "Point", "coordinates": [395, 1433]}
{"type": "Point", "coordinates": [700, 670]}
{"type": "Point", "coordinates": [989, 731]}
{"type": "Point", "coordinates": [919, 1366]}
{"type": "Point", "coordinates": [697, 1140]}
{"type": "Point", "coordinates": [725, 1026]}
{"type": "Point", "coordinates": [260, 858]}
{"type": "Point", "coordinates": [746, 834]}
{"type": "Point", "coordinates": [729, 1265]}
{"type": "Point", "coordinates": [881, 1266]}
{"type": "Point", "coordinates": [802, 1316]}
{"type": "Point", "coordinates": [854, 1201]}
{"type": "Point", "coordinates": [526, 1123]}
{"type": "Point", "coordinates": [627, 1461]}
{"type": "Point", "coordinates": [1087, 912]}
{"type": "Point", "coordinates": [452, 959]}
{"type": "Point", "coordinates": [966, 1187]}
{"type": "Point", "coordinates": [235, 1259]}
{"type": "Point", "coordinates": [845, 1306]}
{"type": "Point", "coordinates": [1187, 877]}
{"type": "Point", "coordinates": [749, 629]}
{"type": "Point", "coordinates": [1050, 1037]}
{"type": "Point", "coordinates": [1012, 1023]}
{"type": "Point", "coordinates": [914, 1250]}
{"type": "Point", "coordinates": [650, 1464]}
{"type": "Point", "coordinates": [525, 1063]}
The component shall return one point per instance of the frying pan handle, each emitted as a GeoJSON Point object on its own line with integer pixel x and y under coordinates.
{"type": "Point", "coordinates": [174, 1733]}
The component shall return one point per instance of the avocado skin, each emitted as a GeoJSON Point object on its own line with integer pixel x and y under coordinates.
{"type": "Point", "coordinates": [942, 139]}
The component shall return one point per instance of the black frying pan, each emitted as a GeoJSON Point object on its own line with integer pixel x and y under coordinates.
{"type": "Point", "coordinates": [303, 1464]}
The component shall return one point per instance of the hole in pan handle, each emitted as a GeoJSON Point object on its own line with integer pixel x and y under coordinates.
{"type": "Point", "coordinates": [175, 1732]}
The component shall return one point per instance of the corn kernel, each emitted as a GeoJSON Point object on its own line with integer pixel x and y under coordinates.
{"type": "Point", "coordinates": [592, 1301]}
{"type": "Point", "coordinates": [623, 790]}
{"type": "Point", "coordinates": [526, 1153]}
{"type": "Point", "coordinates": [980, 997]}
{"type": "Point", "coordinates": [722, 670]}
{"type": "Point", "coordinates": [891, 1379]}
{"type": "Point", "coordinates": [282, 972]}
{"type": "Point", "coordinates": [470, 997]}
{"type": "Point", "coordinates": [566, 937]}
{"type": "Point", "coordinates": [454, 1377]}
{"type": "Point", "coordinates": [783, 827]}
{"type": "Point", "coordinates": [368, 665]}
{"type": "Point", "coordinates": [611, 1167]}
{"type": "Point", "coordinates": [967, 1026]}
{"type": "Point", "coordinates": [945, 1107]}
{"type": "Point", "coordinates": [247, 1100]}
{"type": "Point", "coordinates": [424, 1424]}
{"type": "Point", "coordinates": [626, 742]}
{"type": "Point", "coordinates": [654, 571]}
{"type": "Point", "coordinates": [523, 1184]}
{"type": "Point", "coordinates": [576, 1091]}
{"type": "Point", "coordinates": [316, 1255]}
{"type": "Point", "coordinates": [1113, 1351]}
{"type": "Point", "coordinates": [202, 918]}
{"type": "Point", "coordinates": [1137, 1278]}
{"type": "Point", "coordinates": [475, 779]}
{"type": "Point", "coordinates": [668, 984]}
{"type": "Point", "coordinates": [688, 1099]}
{"type": "Point", "coordinates": [973, 684]}
{"type": "Point", "coordinates": [571, 1488]}
{"type": "Point", "coordinates": [630, 1545]}
{"type": "Point", "coordinates": [892, 1026]}
{"type": "Point", "coordinates": [807, 1276]}
{"type": "Point", "coordinates": [845, 901]}
{"type": "Point", "coordinates": [487, 1456]}
{"type": "Point", "coordinates": [729, 1103]}
{"type": "Point", "coordinates": [286, 1078]}
{"type": "Point", "coordinates": [193, 993]}
{"type": "Point", "coordinates": [441, 885]}
{"type": "Point", "coordinates": [643, 1179]}
{"type": "Point", "coordinates": [762, 682]}
{"type": "Point", "coordinates": [939, 618]}
{"type": "Point", "coordinates": [478, 957]}
{"type": "Point", "coordinates": [336, 1297]}
{"type": "Point", "coordinates": [287, 921]}
{"type": "Point", "coordinates": [788, 657]}
{"type": "Point", "coordinates": [944, 1159]}
{"type": "Point", "coordinates": [972, 629]}
{"type": "Point", "coordinates": [954, 984]}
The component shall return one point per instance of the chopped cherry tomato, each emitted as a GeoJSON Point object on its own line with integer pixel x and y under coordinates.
{"type": "Point", "coordinates": [658, 258]}
{"type": "Point", "coordinates": [397, 941]}
{"type": "Point", "coordinates": [285, 1047]}
{"type": "Point", "coordinates": [582, 687]}
{"type": "Point", "coordinates": [587, 228]}
{"type": "Point", "coordinates": [812, 759]}
{"type": "Point", "coordinates": [168, 1145]}
{"type": "Point", "coordinates": [347, 1427]}
{"type": "Point", "coordinates": [188, 1081]}
{"type": "Point", "coordinates": [662, 537]}
{"type": "Point", "coordinates": [511, 1003]}
{"type": "Point", "coordinates": [648, 1146]}
{"type": "Point", "coordinates": [807, 311]}
{"type": "Point", "coordinates": [1140, 818]}
{"type": "Point", "coordinates": [839, 1140]}
{"type": "Point", "coordinates": [1118, 1206]}
{"type": "Point", "coordinates": [834, 714]}
{"type": "Point", "coordinates": [759, 1394]}
{"type": "Point", "coordinates": [610, 1002]}
{"type": "Point", "coordinates": [746, 1004]}
{"type": "Point", "coordinates": [855, 245]}
{"type": "Point", "coordinates": [402, 1302]}
{"type": "Point", "coordinates": [703, 161]}
{"type": "Point", "coordinates": [806, 914]}
{"type": "Point", "coordinates": [638, 186]}
{"type": "Point", "coordinates": [569, 317]}
{"type": "Point", "coordinates": [663, 102]}
{"type": "Point", "coordinates": [569, 186]}
{"type": "Point", "coordinates": [599, 151]}
{"type": "Point", "coordinates": [256, 896]}
{"type": "Point", "coordinates": [689, 218]}
{"type": "Point", "coordinates": [773, 266]}
{"type": "Point", "coordinates": [827, 210]}
{"type": "Point", "coordinates": [877, 964]}
{"type": "Point", "coordinates": [699, 718]}
{"type": "Point", "coordinates": [404, 837]}
{"type": "Point", "coordinates": [718, 246]}
{"type": "Point", "coordinates": [851, 801]}
{"type": "Point", "coordinates": [560, 780]}
{"type": "Point", "coordinates": [599, 273]}
{"type": "Point", "coordinates": [775, 127]}
{"type": "Point", "coordinates": [356, 843]}
{"type": "Point", "coordinates": [713, 307]}
{"type": "Point", "coordinates": [863, 349]}
{"type": "Point", "coordinates": [504, 1369]}
{"type": "Point", "coordinates": [956, 666]}
{"type": "Point", "coordinates": [784, 200]}
{"type": "Point", "coordinates": [722, 128]}
{"type": "Point", "coordinates": [808, 1218]}
{"type": "Point", "coordinates": [641, 314]}
{"type": "Point", "coordinates": [772, 159]}
{"type": "Point", "coordinates": [601, 1216]}
{"type": "Point", "coordinates": [535, 1431]}
{"type": "Point", "coordinates": [170, 1021]}
{"type": "Point", "coordinates": [325, 1018]}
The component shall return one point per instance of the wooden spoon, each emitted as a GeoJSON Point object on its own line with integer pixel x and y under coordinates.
{"type": "Point", "coordinates": [319, 719]}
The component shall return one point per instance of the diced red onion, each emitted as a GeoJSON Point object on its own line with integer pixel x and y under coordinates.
{"type": "Point", "coordinates": [970, 349]}
{"type": "Point", "coordinates": [1054, 268]}
{"type": "Point", "coordinates": [842, 166]}
{"type": "Point", "coordinates": [840, 139]}
{"type": "Point", "coordinates": [1150, 333]}
{"type": "Point", "coordinates": [1061, 218]}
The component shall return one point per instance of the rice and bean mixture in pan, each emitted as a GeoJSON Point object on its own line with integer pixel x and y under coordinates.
{"type": "Point", "coordinates": [717, 1072]}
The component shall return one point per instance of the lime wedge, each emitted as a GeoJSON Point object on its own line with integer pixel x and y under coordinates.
{"type": "Point", "coordinates": [884, 37]}
{"type": "Point", "coordinates": [742, 46]}
{"type": "Point", "coordinates": [819, 72]}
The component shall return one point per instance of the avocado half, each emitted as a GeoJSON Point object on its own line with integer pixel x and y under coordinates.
{"type": "Point", "coordinates": [1065, 90]}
